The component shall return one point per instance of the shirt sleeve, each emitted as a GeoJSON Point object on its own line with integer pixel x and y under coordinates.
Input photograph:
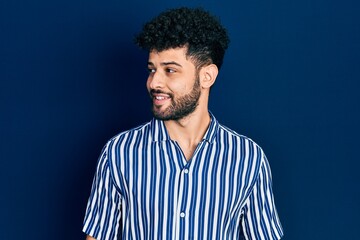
{"type": "Point", "coordinates": [260, 219]}
{"type": "Point", "coordinates": [103, 212]}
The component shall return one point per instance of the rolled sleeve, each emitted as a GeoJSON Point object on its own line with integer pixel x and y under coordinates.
{"type": "Point", "coordinates": [260, 220]}
{"type": "Point", "coordinates": [103, 213]}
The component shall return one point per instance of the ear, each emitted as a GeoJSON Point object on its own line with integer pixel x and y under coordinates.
{"type": "Point", "coordinates": [208, 75]}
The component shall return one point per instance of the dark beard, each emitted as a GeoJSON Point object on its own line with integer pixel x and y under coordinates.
{"type": "Point", "coordinates": [181, 107]}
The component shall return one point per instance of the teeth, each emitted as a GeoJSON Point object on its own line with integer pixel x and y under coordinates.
{"type": "Point", "coordinates": [159, 98]}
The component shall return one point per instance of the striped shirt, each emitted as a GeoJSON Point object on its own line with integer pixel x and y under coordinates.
{"type": "Point", "coordinates": [144, 188]}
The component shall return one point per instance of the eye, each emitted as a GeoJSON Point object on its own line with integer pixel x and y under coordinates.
{"type": "Point", "coordinates": [151, 70]}
{"type": "Point", "coordinates": [170, 70]}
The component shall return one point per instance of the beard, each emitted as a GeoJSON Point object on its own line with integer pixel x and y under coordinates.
{"type": "Point", "coordinates": [180, 107]}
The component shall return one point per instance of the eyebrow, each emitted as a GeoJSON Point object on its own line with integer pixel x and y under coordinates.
{"type": "Point", "coordinates": [166, 64]}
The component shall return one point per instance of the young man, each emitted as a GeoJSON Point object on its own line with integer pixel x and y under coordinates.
{"type": "Point", "coordinates": [182, 175]}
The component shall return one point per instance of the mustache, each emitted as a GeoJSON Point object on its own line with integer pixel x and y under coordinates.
{"type": "Point", "coordinates": [157, 91]}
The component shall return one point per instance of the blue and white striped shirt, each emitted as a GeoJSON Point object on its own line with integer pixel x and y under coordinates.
{"type": "Point", "coordinates": [144, 188]}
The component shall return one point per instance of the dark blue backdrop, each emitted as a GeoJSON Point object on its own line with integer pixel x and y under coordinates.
{"type": "Point", "coordinates": [71, 78]}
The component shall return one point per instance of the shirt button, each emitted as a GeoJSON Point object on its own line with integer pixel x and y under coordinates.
{"type": "Point", "coordinates": [182, 214]}
{"type": "Point", "coordinates": [186, 170]}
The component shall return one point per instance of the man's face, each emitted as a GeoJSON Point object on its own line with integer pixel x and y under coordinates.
{"type": "Point", "coordinates": [173, 84]}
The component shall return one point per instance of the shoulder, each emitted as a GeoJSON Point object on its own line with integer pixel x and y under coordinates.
{"type": "Point", "coordinates": [140, 131]}
{"type": "Point", "coordinates": [124, 139]}
{"type": "Point", "coordinates": [246, 150]}
{"type": "Point", "coordinates": [250, 155]}
{"type": "Point", "coordinates": [238, 139]}
{"type": "Point", "coordinates": [117, 150]}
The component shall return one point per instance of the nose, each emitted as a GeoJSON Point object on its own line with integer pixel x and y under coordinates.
{"type": "Point", "coordinates": [155, 80]}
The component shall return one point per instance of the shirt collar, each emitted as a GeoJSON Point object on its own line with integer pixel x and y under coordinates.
{"type": "Point", "coordinates": [159, 132]}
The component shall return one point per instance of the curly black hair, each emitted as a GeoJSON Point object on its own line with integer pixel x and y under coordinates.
{"type": "Point", "coordinates": [196, 29]}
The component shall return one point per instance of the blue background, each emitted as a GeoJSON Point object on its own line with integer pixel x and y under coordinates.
{"type": "Point", "coordinates": [71, 78]}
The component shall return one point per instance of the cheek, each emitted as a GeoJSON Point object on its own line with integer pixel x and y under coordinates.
{"type": "Point", "coordinates": [180, 85]}
{"type": "Point", "coordinates": [148, 81]}
{"type": "Point", "coordinates": [177, 88]}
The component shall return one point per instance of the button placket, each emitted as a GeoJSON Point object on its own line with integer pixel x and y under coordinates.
{"type": "Point", "coordinates": [184, 179]}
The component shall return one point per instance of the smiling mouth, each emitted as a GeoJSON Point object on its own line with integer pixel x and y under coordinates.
{"type": "Point", "coordinates": [159, 100]}
{"type": "Point", "coordinates": [159, 97]}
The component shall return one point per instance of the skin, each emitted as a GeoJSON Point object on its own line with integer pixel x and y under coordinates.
{"type": "Point", "coordinates": [177, 105]}
{"type": "Point", "coordinates": [174, 74]}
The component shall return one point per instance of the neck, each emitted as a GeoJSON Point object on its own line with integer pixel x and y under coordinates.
{"type": "Point", "coordinates": [191, 129]}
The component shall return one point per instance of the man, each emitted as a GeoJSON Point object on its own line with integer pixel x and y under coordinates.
{"type": "Point", "coordinates": [182, 175]}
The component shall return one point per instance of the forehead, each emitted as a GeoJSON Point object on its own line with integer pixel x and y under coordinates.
{"type": "Point", "coordinates": [170, 55]}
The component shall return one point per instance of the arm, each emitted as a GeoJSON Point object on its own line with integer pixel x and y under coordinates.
{"type": "Point", "coordinates": [103, 210]}
{"type": "Point", "coordinates": [261, 220]}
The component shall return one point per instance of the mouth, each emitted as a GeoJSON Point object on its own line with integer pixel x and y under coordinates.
{"type": "Point", "coordinates": [159, 98]}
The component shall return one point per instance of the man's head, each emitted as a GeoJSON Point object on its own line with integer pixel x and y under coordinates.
{"type": "Point", "coordinates": [203, 35]}
{"type": "Point", "coordinates": [173, 84]}
{"type": "Point", "coordinates": [186, 49]}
